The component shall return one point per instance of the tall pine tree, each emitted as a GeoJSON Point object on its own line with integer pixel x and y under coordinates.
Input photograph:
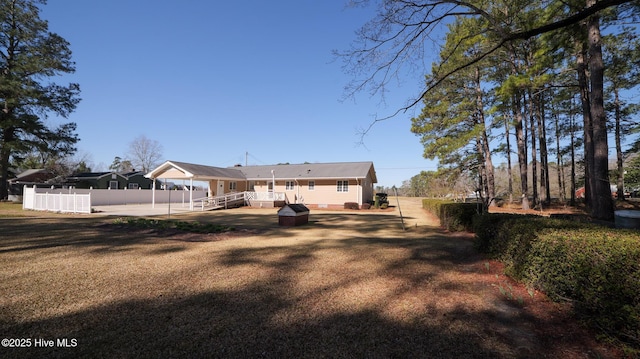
{"type": "Point", "coordinates": [30, 56]}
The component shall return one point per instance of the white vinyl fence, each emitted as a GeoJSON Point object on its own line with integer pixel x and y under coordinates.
{"type": "Point", "coordinates": [79, 200]}
{"type": "Point", "coordinates": [56, 202]}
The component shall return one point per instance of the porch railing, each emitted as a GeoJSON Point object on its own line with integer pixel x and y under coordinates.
{"type": "Point", "coordinates": [233, 198]}
{"type": "Point", "coordinates": [219, 201]}
{"type": "Point", "coordinates": [265, 196]}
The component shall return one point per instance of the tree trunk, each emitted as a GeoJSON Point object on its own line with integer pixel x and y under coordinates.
{"type": "Point", "coordinates": [547, 181]}
{"type": "Point", "coordinates": [534, 155]}
{"type": "Point", "coordinates": [602, 206]}
{"type": "Point", "coordinates": [545, 195]}
{"type": "Point", "coordinates": [618, 135]}
{"type": "Point", "coordinates": [561, 183]}
{"type": "Point", "coordinates": [522, 150]}
{"type": "Point", "coordinates": [481, 182]}
{"type": "Point", "coordinates": [5, 152]}
{"type": "Point", "coordinates": [588, 127]}
{"type": "Point", "coordinates": [510, 176]}
{"type": "Point", "coordinates": [486, 151]}
{"type": "Point", "coordinates": [572, 124]}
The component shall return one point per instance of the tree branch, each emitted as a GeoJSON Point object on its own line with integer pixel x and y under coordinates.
{"type": "Point", "coordinates": [504, 38]}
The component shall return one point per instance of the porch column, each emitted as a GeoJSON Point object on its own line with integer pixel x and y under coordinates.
{"type": "Point", "coordinates": [153, 194]}
{"type": "Point", "coordinates": [191, 194]}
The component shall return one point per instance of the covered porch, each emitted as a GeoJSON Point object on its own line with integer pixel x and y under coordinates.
{"type": "Point", "coordinates": [225, 186]}
{"type": "Point", "coordinates": [218, 180]}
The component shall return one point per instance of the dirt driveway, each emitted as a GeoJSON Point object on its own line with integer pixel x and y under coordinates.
{"type": "Point", "coordinates": [348, 285]}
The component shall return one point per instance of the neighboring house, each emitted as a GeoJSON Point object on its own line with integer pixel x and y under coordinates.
{"type": "Point", "coordinates": [137, 180]}
{"type": "Point", "coordinates": [581, 192]}
{"type": "Point", "coordinates": [31, 177]}
{"type": "Point", "coordinates": [315, 184]}
{"type": "Point", "coordinates": [110, 180]}
{"type": "Point", "coordinates": [98, 180]}
{"type": "Point", "coordinates": [86, 180]}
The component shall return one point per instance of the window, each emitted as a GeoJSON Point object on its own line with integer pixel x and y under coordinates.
{"type": "Point", "coordinates": [343, 186]}
{"type": "Point", "coordinates": [113, 184]}
{"type": "Point", "coordinates": [233, 186]}
{"type": "Point", "coordinates": [133, 186]}
{"type": "Point", "coordinates": [289, 185]}
{"type": "Point", "coordinates": [312, 185]}
{"type": "Point", "coordinates": [252, 185]}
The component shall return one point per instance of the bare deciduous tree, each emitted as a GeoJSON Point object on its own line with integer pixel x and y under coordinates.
{"type": "Point", "coordinates": [145, 153]}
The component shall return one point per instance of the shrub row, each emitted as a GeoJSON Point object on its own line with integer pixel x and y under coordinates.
{"type": "Point", "coordinates": [453, 216]}
{"type": "Point", "coordinates": [597, 268]}
{"type": "Point", "coordinates": [354, 205]}
{"type": "Point", "coordinates": [351, 205]}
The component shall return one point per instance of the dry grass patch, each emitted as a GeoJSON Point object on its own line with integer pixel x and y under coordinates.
{"type": "Point", "coordinates": [11, 209]}
{"type": "Point", "coordinates": [346, 285]}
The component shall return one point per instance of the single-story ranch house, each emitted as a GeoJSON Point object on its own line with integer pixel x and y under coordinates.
{"type": "Point", "coordinates": [319, 185]}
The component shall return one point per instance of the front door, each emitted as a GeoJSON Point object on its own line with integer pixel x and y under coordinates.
{"type": "Point", "coordinates": [220, 191]}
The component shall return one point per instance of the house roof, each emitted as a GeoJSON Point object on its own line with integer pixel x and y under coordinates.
{"type": "Point", "coordinates": [183, 170]}
{"type": "Point", "coordinates": [33, 175]}
{"type": "Point", "coordinates": [133, 173]}
{"type": "Point", "coordinates": [338, 170]}
{"type": "Point", "coordinates": [91, 175]}
{"type": "Point", "coordinates": [30, 172]}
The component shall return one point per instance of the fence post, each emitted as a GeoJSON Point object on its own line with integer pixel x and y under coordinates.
{"type": "Point", "coordinates": [24, 195]}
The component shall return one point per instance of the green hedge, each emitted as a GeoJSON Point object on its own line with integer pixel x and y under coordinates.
{"type": "Point", "coordinates": [597, 268]}
{"type": "Point", "coordinates": [453, 216]}
{"type": "Point", "coordinates": [351, 205]}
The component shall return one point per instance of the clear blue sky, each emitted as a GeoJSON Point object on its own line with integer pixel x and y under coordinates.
{"type": "Point", "coordinates": [211, 80]}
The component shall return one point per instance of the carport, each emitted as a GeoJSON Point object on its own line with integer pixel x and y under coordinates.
{"type": "Point", "coordinates": [187, 171]}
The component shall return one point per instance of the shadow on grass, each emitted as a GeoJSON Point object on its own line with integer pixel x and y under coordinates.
{"type": "Point", "coordinates": [24, 234]}
{"type": "Point", "coordinates": [266, 319]}
{"type": "Point", "coordinates": [260, 219]}
{"type": "Point", "coordinates": [239, 325]}
{"type": "Point", "coordinates": [269, 317]}
{"type": "Point", "coordinates": [29, 234]}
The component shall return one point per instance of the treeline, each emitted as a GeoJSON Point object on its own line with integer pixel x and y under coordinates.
{"type": "Point", "coordinates": [535, 98]}
{"type": "Point", "coordinates": [543, 81]}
